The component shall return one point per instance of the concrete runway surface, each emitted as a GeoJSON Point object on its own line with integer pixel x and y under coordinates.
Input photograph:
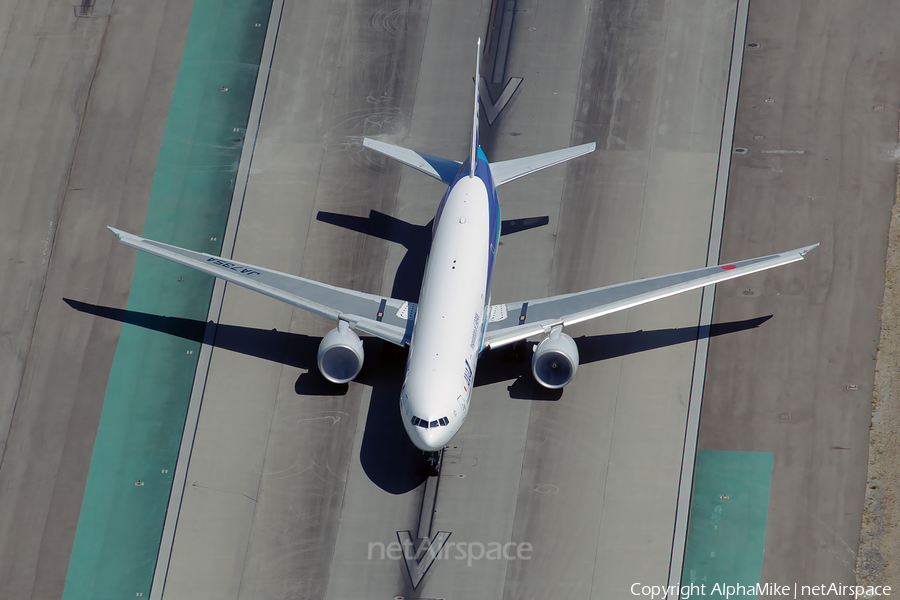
{"type": "Point", "coordinates": [289, 484]}
{"type": "Point", "coordinates": [292, 480]}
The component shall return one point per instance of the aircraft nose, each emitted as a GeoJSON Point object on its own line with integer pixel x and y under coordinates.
{"type": "Point", "coordinates": [432, 439]}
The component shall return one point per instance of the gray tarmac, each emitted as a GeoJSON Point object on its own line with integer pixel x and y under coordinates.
{"type": "Point", "coordinates": [294, 484]}
{"type": "Point", "coordinates": [85, 102]}
{"type": "Point", "coordinates": [822, 82]}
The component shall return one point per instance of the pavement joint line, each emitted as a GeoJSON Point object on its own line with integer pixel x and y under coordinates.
{"type": "Point", "coordinates": [698, 378]}
{"type": "Point", "coordinates": [157, 588]}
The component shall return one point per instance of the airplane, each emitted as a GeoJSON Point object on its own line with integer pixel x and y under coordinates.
{"type": "Point", "coordinates": [454, 320]}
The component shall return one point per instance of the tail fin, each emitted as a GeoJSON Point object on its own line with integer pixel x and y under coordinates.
{"type": "Point", "coordinates": [474, 149]}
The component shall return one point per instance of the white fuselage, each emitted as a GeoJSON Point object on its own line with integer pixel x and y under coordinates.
{"type": "Point", "coordinates": [450, 320]}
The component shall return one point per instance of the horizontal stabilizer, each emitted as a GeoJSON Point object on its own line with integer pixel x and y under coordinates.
{"type": "Point", "coordinates": [439, 168]}
{"type": "Point", "coordinates": [508, 170]}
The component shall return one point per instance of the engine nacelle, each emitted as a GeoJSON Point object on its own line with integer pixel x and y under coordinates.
{"type": "Point", "coordinates": [340, 355]}
{"type": "Point", "coordinates": [555, 360]}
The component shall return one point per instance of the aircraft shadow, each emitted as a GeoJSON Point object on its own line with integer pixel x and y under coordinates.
{"type": "Point", "coordinates": [387, 455]}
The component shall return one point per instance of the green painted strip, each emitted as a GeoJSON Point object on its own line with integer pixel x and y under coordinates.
{"type": "Point", "coordinates": [726, 536]}
{"type": "Point", "coordinates": [149, 387]}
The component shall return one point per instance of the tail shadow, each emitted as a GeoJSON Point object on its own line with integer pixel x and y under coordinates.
{"type": "Point", "coordinates": [415, 238]}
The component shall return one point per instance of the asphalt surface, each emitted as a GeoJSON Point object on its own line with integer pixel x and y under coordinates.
{"type": "Point", "coordinates": [152, 375]}
{"type": "Point", "coordinates": [292, 480]}
{"type": "Point", "coordinates": [822, 82]}
{"type": "Point", "coordinates": [85, 102]}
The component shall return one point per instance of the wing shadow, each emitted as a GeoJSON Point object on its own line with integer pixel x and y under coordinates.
{"type": "Point", "coordinates": [387, 455]}
{"type": "Point", "coordinates": [505, 364]}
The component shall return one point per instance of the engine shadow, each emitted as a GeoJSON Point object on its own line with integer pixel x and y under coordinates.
{"type": "Point", "coordinates": [388, 457]}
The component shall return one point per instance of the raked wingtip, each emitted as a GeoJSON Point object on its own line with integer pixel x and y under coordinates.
{"type": "Point", "coordinates": [115, 232]}
{"type": "Point", "coordinates": [808, 249]}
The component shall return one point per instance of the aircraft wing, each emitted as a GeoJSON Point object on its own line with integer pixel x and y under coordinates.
{"type": "Point", "coordinates": [520, 320]}
{"type": "Point", "coordinates": [386, 318]}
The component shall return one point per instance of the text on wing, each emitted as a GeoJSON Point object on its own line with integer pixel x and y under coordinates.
{"type": "Point", "coordinates": [232, 267]}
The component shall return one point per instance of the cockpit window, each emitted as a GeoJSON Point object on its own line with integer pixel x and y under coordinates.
{"type": "Point", "coordinates": [417, 422]}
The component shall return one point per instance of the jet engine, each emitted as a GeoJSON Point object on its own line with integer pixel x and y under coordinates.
{"type": "Point", "coordinates": [555, 360]}
{"type": "Point", "coordinates": [340, 355]}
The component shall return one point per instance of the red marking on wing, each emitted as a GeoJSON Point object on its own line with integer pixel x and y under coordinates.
{"type": "Point", "coordinates": [728, 267]}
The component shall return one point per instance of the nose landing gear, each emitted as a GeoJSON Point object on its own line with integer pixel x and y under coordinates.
{"type": "Point", "coordinates": [433, 462]}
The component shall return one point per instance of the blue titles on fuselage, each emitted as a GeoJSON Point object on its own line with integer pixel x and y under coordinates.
{"type": "Point", "coordinates": [475, 330]}
{"type": "Point", "coordinates": [468, 374]}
